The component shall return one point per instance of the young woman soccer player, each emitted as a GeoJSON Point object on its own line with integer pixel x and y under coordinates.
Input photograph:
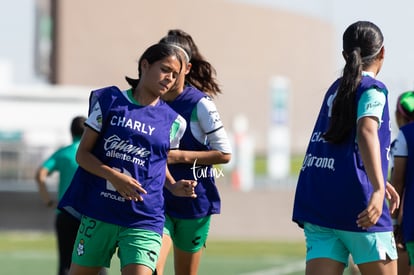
{"type": "Point", "coordinates": [403, 180]}
{"type": "Point", "coordinates": [123, 167]}
{"type": "Point", "coordinates": [340, 196]}
{"type": "Point", "coordinates": [204, 143]}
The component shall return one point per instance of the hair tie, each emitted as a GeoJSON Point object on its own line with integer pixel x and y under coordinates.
{"type": "Point", "coordinates": [372, 55]}
{"type": "Point", "coordinates": [187, 58]}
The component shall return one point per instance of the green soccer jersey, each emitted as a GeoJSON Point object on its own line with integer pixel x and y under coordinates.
{"type": "Point", "coordinates": [64, 162]}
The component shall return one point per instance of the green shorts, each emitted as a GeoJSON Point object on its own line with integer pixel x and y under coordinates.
{"type": "Point", "coordinates": [189, 235]}
{"type": "Point", "coordinates": [410, 250]}
{"type": "Point", "coordinates": [365, 247]}
{"type": "Point", "coordinates": [97, 242]}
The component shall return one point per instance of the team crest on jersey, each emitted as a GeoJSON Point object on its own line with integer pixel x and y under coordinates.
{"type": "Point", "coordinates": [99, 119]}
{"type": "Point", "coordinates": [81, 248]}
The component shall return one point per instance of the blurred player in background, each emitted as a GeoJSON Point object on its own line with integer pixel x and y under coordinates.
{"type": "Point", "coordinates": [401, 177]}
{"type": "Point", "coordinates": [64, 162]}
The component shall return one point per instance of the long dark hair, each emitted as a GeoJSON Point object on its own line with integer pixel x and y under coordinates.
{"type": "Point", "coordinates": [202, 74]}
{"type": "Point", "coordinates": [362, 42]}
{"type": "Point", "coordinates": [153, 54]}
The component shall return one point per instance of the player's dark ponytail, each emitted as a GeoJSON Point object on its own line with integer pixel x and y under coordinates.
{"type": "Point", "coordinates": [362, 42]}
{"type": "Point", "coordinates": [202, 74]}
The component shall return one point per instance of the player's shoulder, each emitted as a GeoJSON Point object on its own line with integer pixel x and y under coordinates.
{"type": "Point", "coordinates": [206, 102]}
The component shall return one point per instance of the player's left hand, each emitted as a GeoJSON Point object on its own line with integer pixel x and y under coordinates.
{"type": "Point", "coordinates": [392, 195]}
{"type": "Point", "coordinates": [372, 213]}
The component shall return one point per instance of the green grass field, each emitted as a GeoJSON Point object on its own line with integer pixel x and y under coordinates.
{"type": "Point", "coordinates": [260, 165]}
{"type": "Point", "coordinates": [35, 253]}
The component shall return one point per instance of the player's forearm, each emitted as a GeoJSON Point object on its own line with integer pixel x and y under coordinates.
{"type": "Point", "coordinates": [201, 157]}
{"type": "Point", "coordinates": [369, 148]}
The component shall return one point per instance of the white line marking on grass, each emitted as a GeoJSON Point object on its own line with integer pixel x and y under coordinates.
{"type": "Point", "coordinates": [285, 269]}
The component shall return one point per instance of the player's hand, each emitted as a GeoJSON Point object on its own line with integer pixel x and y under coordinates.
{"type": "Point", "coordinates": [184, 188]}
{"type": "Point", "coordinates": [372, 213]}
{"type": "Point", "coordinates": [128, 187]}
{"type": "Point", "coordinates": [392, 195]}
